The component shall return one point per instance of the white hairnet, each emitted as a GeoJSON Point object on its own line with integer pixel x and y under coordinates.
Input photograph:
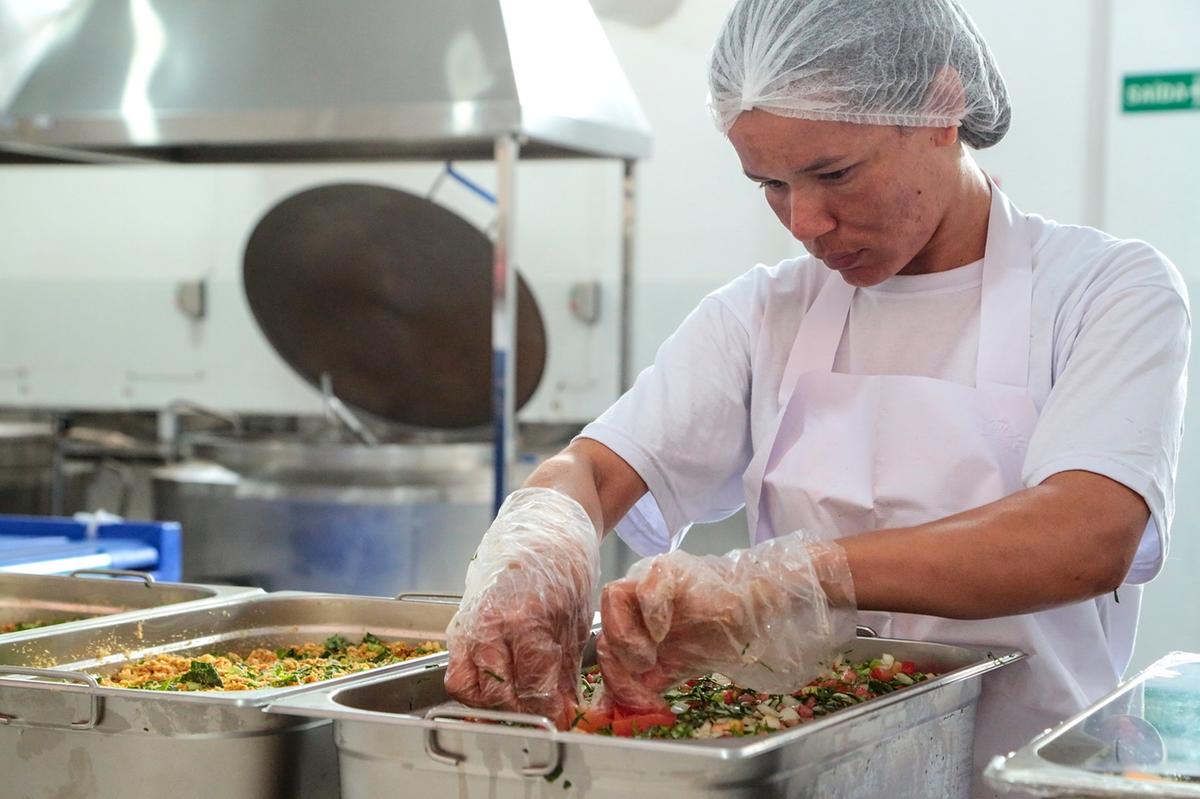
{"type": "Point", "coordinates": [876, 62]}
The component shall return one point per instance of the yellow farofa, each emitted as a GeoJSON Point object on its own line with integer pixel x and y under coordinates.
{"type": "Point", "coordinates": [261, 665]}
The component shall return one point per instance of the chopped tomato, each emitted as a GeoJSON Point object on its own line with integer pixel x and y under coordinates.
{"type": "Point", "coordinates": [804, 711]}
{"type": "Point", "coordinates": [880, 673]}
{"type": "Point", "coordinates": [593, 721]}
{"type": "Point", "coordinates": [626, 727]}
{"type": "Point", "coordinates": [908, 667]}
{"type": "Point", "coordinates": [727, 697]}
{"type": "Point", "coordinates": [849, 675]}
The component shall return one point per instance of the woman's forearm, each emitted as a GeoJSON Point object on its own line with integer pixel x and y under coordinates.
{"type": "Point", "coordinates": [1071, 538]}
{"type": "Point", "coordinates": [595, 477]}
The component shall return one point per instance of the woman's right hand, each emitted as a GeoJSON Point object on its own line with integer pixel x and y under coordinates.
{"type": "Point", "coordinates": [517, 640]}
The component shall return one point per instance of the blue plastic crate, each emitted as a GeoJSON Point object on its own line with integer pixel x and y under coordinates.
{"type": "Point", "coordinates": [56, 545]}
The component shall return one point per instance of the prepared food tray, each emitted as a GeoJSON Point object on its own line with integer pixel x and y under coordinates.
{"type": "Point", "coordinates": [30, 603]}
{"type": "Point", "coordinates": [31, 624]}
{"type": "Point", "coordinates": [279, 667]}
{"type": "Point", "coordinates": [713, 707]}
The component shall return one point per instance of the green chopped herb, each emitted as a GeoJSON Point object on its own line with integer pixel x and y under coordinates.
{"type": "Point", "coordinates": [335, 643]}
{"type": "Point", "coordinates": [202, 674]}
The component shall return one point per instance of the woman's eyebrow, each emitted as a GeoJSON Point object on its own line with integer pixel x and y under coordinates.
{"type": "Point", "coordinates": [819, 164]}
{"type": "Point", "coordinates": [815, 166]}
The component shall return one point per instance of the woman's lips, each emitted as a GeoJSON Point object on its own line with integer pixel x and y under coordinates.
{"type": "Point", "coordinates": [843, 261]}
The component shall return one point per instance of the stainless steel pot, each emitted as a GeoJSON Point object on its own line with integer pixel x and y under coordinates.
{"type": "Point", "coordinates": [396, 730]}
{"type": "Point", "coordinates": [286, 513]}
{"type": "Point", "coordinates": [79, 739]}
{"type": "Point", "coordinates": [28, 473]}
{"type": "Point", "coordinates": [84, 601]}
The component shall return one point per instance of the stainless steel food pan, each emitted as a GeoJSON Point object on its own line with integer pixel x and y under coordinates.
{"type": "Point", "coordinates": [80, 739]}
{"type": "Point", "coordinates": [1141, 740]}
{"type": "Point", "coordinates": [398, 731]}
{"type": "Point", "coordinates": [87, 599]}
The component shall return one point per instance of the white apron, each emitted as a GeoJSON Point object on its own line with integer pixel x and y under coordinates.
{"type": "Point", "coordinates": [854, 453]}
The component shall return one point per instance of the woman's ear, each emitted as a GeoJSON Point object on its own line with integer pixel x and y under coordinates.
{"type": "Point", "coordinates": [945, 97]}
{"type": "Point", "coordinates": [945, 137]}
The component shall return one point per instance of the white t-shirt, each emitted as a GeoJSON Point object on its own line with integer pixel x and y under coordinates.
{"type": "Point", "coordinates": [1108, 354]}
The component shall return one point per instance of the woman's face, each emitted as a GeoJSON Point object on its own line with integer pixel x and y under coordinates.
{"type": "Point", "coordinates": [865, 199]}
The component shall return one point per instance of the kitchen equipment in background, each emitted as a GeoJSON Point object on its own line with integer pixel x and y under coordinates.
{"type": "Point", "coordinates": [32, 479]}
{"type": "Point", "coordinates": [303, 80]}
{"type": "Point", "coordinates": [459, 79]}
{"type": "Point", "coordinates": [389, 295]}
{"type": "Point", "coordinates": [915, 743]}
{"type": "Point", "coordinates": [303, 511]}
{"type": "Point", "coordinates": [1143, 739]}
{"type": "Point", "coordinates": [290, 511]}
{"type": "Point", "coordinates": [78, 738]}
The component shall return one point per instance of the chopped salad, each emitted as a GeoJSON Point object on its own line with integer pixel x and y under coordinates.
{"type": "Point", "coordinates": [713, 707]}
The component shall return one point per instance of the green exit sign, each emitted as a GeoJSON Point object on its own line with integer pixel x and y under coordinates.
{"type": "Point", "coordinates": [1175, 91]}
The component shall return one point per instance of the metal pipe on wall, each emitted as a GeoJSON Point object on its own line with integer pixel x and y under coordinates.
{"type": "Point", "coordinates": [628, 229]}
{"type": "Point", "coordinates": [504, 316]}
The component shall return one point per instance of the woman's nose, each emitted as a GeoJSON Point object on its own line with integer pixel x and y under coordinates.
{"type": "Point", "coordinates": [808, 218]}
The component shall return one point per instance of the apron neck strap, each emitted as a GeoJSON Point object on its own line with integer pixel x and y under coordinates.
{"type": "Point", "coordinates": [819, 335]}
{"type": "Point", "coordinates": [1006, 299]}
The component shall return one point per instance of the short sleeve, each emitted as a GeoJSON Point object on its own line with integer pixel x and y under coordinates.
{"type": "Point", "coordinates": [1116, 405]}
{"type": "Point", "coordinates": [684, 427]}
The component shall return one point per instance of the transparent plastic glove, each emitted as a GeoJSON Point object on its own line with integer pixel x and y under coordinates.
{"type": "Point", "coordinates": [769, 618]}
{"type": "Point", "coordinates": [517, 639]}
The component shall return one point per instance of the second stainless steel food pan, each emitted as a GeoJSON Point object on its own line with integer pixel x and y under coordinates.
{"type": "Point", "coordinates": [80, 739]}
{"type": "Point", "coordinates": [80, 601]}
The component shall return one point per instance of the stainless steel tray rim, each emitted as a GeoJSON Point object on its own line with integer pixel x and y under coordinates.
{"type": "Point", "coordinates": [218, 595]}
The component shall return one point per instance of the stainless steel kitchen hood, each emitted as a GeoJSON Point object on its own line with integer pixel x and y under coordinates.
{"type": "Point", "coordinates": [311, 80]}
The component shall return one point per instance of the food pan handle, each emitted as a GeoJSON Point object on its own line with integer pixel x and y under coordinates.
{"type": "Point", "coordinates": [454, 710]}
{"type": "Point", "coordinates": [77, 676]}
{"type": "Point", "coordinates": [145, 577]}
{"type": "Point", "coordinates": [419, 596]}
{"type": "Point", "coordinates": [863, 631]}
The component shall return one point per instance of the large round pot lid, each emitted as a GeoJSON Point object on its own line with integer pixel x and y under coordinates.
{"type": "Point", "coordinates": [391, 295]}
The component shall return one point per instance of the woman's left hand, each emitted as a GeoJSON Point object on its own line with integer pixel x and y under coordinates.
{"type": "Point", "coordinates": [768, 617]}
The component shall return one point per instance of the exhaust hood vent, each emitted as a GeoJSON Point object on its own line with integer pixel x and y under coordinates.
{"type": "Point", "coordinates": [312, 80]}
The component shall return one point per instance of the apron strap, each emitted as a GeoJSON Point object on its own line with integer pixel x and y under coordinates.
{"type": "Point", "coordinates": [1006, 299]}
{"type": "Point", "coordinates": [819, 335]}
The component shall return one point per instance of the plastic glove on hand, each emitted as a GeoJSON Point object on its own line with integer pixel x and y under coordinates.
{"type": "Point", "coordinates": [768, 618]}
{"type": "Point", "coordinates": [517, 640]}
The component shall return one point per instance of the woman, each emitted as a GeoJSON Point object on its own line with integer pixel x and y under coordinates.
{"type": "Point", "coordinates": [962, 420]}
